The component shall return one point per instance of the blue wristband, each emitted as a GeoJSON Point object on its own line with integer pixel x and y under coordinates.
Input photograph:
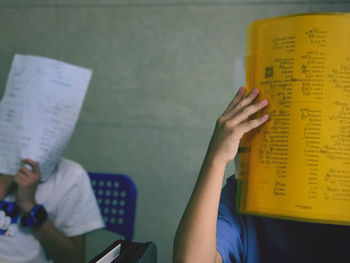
{"type": "Point", "coordinates": [35, 217]}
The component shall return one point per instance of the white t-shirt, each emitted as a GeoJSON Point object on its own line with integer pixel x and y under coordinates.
{"type": "Point", "coordinates": [71, 206]}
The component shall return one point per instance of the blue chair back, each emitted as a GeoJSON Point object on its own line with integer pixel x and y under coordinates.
{"type": "Point", "coordinates": [116, 197]}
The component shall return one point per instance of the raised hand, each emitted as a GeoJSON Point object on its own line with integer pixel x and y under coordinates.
{"type": "Point", "coordinates": [27, 181]}
{"type": "Point", "coordinates": [231, 126]}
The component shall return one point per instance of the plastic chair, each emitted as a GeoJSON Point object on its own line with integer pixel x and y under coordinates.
{"type": "Point", "coordinates": [116, 197]}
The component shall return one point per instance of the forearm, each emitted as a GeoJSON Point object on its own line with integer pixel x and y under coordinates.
{"type": "Point", "coordinates": [195, 240]}
{"type": "Point", "coordinates": [6, 185]}
{"type": "Point", "coordinates": [58, 247]}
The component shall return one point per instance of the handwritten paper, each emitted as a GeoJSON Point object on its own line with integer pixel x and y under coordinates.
{"type": "Point", "coordinates": [297, 165]}
{"type": "Point", "coordinates": [39, 110]}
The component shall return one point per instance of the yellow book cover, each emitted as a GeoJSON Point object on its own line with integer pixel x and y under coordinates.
{"type": "Point", "coordinates": [297, 165]}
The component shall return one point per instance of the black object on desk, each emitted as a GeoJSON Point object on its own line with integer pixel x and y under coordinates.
{"type": "Point", "coordinates": [128, 252]}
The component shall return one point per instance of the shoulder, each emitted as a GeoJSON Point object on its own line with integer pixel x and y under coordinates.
{"type": "Point", "coordinates": [230, 230]}
{"type": "Point", "coordinates": [228, 196]}
{"type": "Point", "coordinates": [228, 193]}
{"type": "Point", "coordinates": [232, 181]}
{"type": "Point", "coordinates": [66, 165]}
{"type": "Point", "coordinates": [76, 200]}
{"type": "Point", "coordinates": [68, 170]}
{"type": "Point", "coordinates": [68, 174]}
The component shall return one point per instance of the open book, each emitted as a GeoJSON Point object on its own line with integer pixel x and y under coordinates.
{"type": "Point", "coordinates": [297, 165]}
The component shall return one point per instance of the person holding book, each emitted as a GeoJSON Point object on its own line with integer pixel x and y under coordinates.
{"type": "Point", "coordinates": [46, 221]}
{"type": "Point", "coordinates": [211, 230]}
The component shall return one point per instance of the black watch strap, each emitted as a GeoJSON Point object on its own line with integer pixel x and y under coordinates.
{"type": "Point", "coordinates": [35, 217]}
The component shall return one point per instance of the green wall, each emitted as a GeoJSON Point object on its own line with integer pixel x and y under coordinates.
{"type": "Point", "coordinates": [163, 71]}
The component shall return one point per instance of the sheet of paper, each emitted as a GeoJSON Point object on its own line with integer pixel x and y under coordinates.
{"type": "Point", "coordinates": [39, 110]}
{"type": "Point", "coordinates": [298, 164]}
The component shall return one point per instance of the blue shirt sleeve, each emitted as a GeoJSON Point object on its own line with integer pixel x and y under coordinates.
{"type": "Point", "coordinates": [230, 231]}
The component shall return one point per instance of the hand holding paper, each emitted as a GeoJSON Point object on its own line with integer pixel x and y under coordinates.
{"type": "Point", "coordinates": [39, 111]}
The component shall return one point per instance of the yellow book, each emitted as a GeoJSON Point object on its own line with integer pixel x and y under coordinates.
{"type": "Point", "coordinates": [297, 165]}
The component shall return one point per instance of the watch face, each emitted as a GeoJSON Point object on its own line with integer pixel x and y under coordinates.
{"type": "Point", "coordinates": [35, 217]}
{"type": "Point", "coordinates": [40, 214]}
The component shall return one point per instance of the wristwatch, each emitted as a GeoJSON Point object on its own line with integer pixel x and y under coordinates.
{"type": "Point", "coordinates": [35, 217]}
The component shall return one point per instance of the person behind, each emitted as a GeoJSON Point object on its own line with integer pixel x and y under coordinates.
{"type": "Point", "coordinates": [49, 219]}
{"type": "Point", "coordinates": [211, 230]}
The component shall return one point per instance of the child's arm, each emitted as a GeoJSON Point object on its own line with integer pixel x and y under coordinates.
{"type": "Point", "coordinates": [57, 246]}
{"type": "Point", "coordinates": [195, 239]}
{"type": "Point", "coordinates": [6, 185]}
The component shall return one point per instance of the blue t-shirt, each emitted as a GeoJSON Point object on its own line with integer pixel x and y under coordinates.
{"type": "Point", "coordinates": [254, 239]}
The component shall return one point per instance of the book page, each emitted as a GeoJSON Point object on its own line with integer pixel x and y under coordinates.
{"type": "Point", "coordinates": [298, 164]}
{"type": "Point", "coordinates": [39, 111]}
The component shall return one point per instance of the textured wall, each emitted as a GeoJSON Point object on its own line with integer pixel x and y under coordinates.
{"type": "Point", "coordinates": [163, 71]}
